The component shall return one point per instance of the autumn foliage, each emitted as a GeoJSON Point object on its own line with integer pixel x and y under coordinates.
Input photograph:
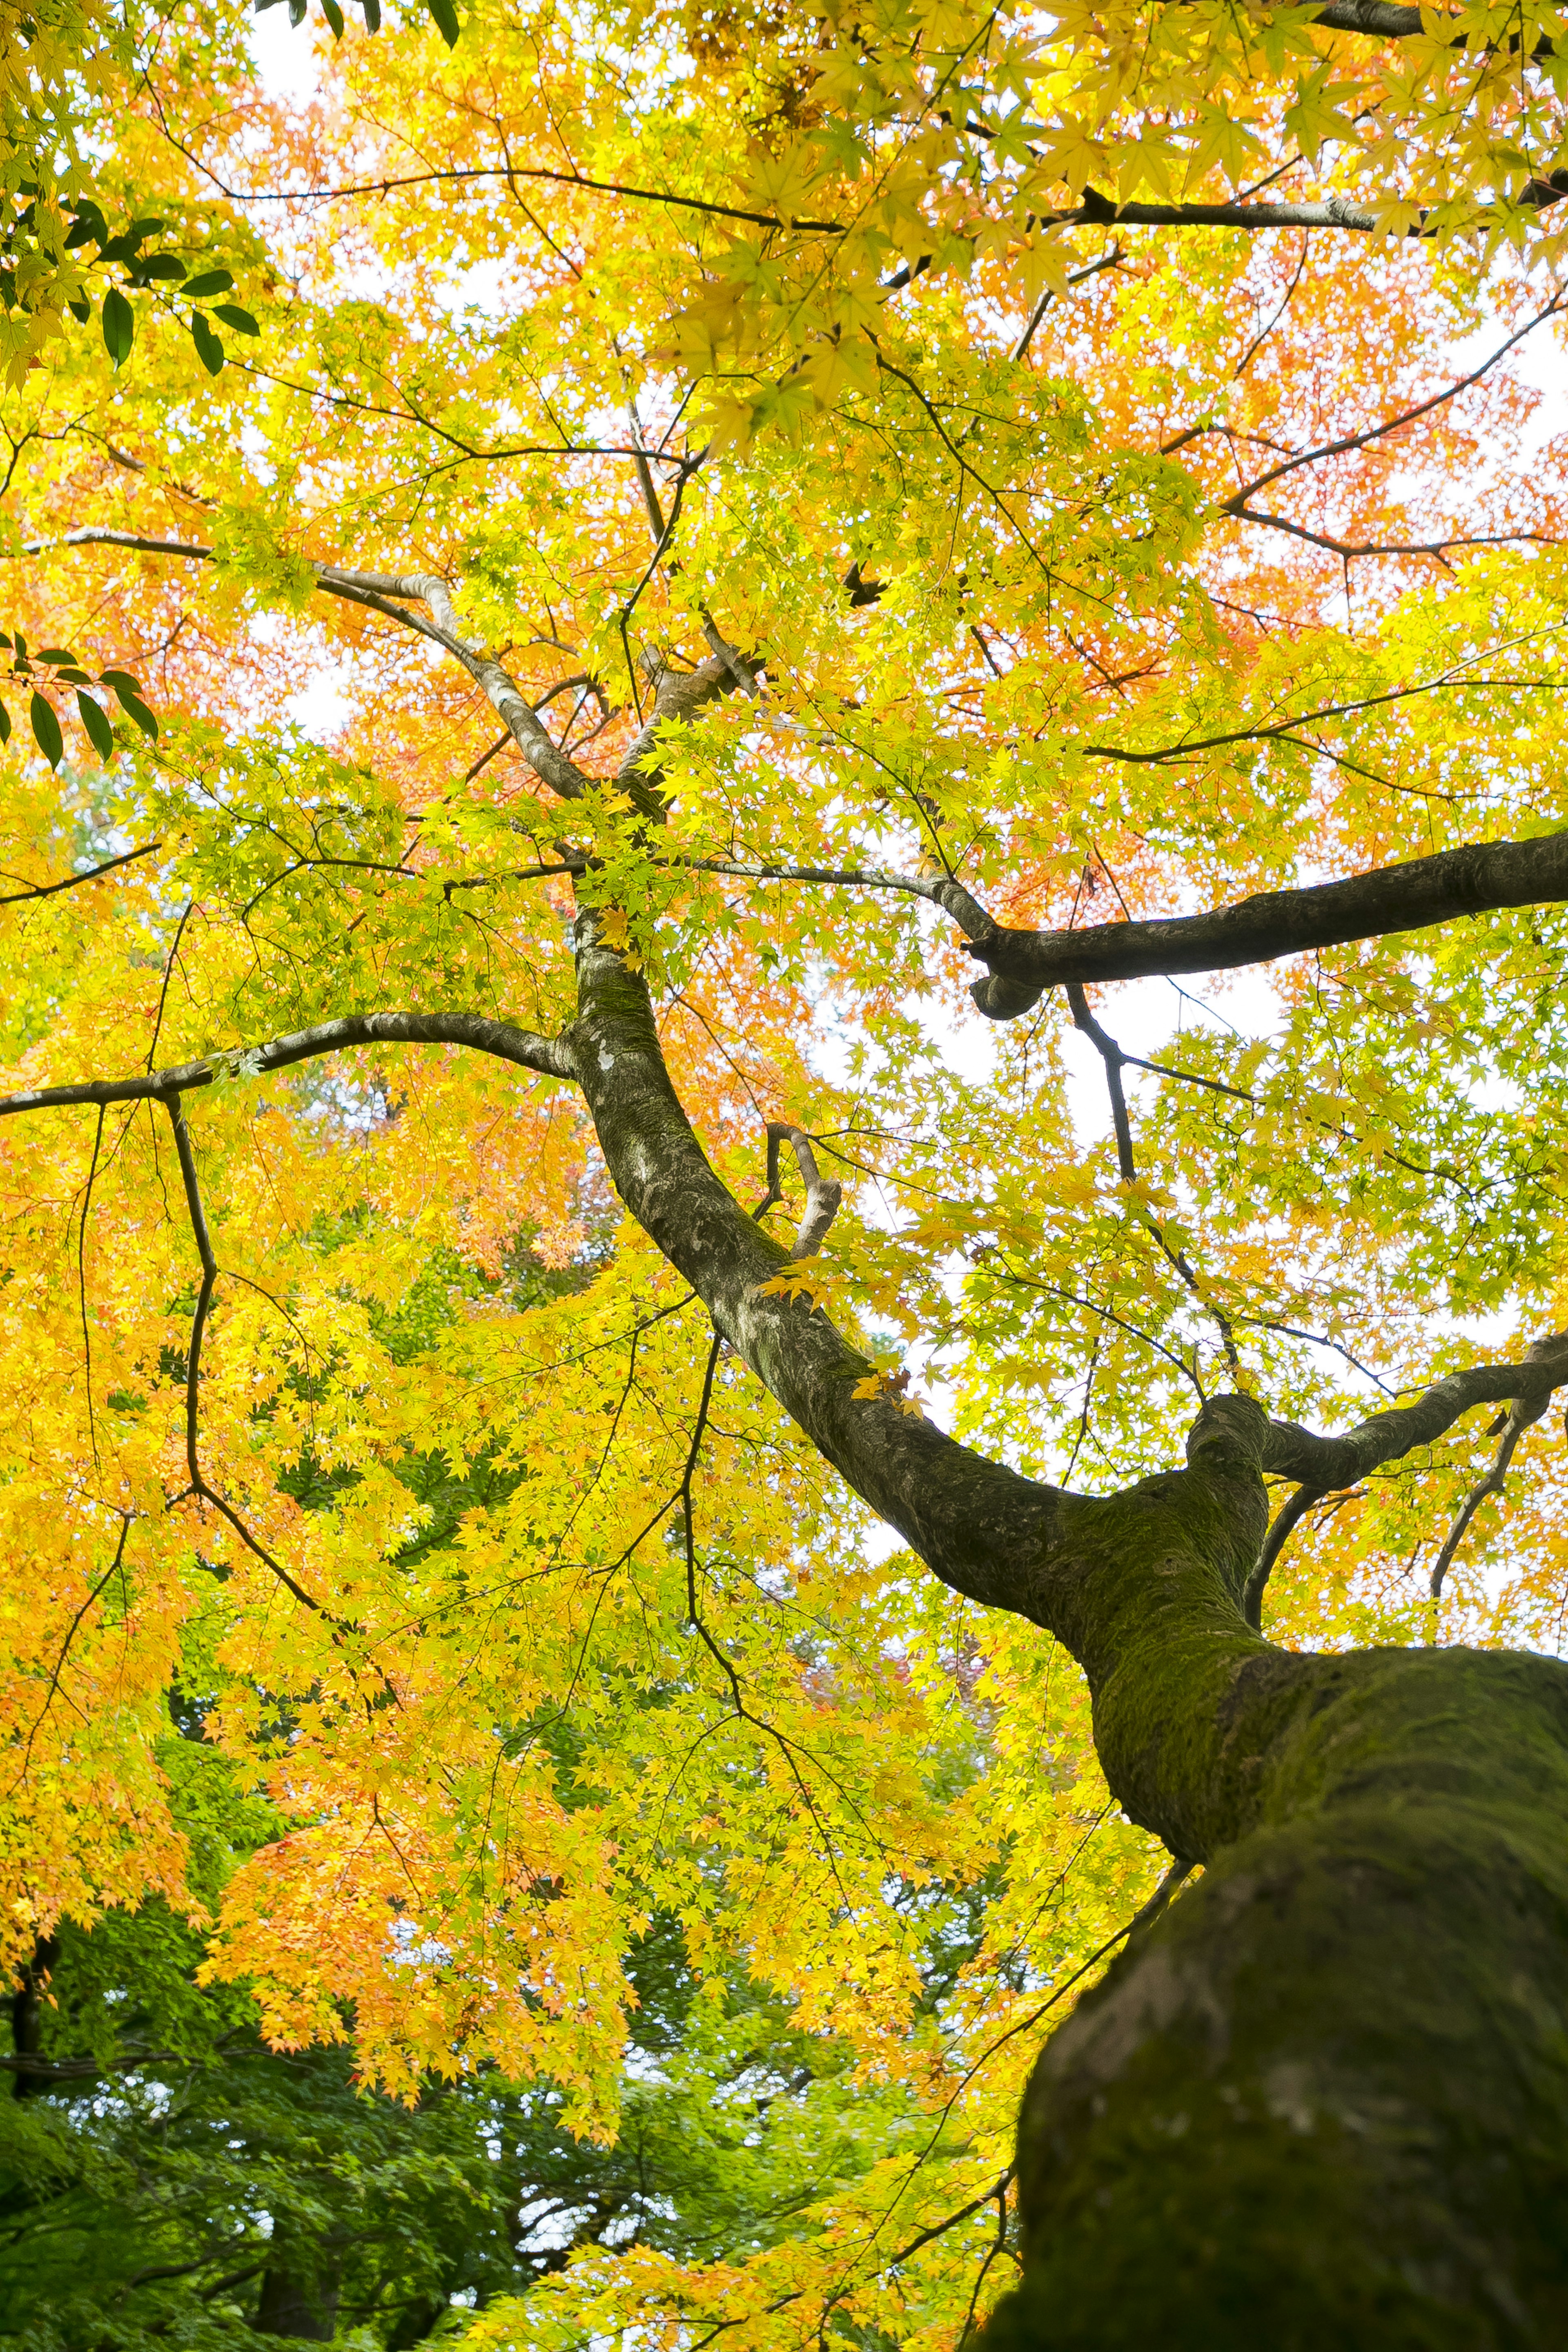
{"type": "Point", "coordinates": [1114, 566]}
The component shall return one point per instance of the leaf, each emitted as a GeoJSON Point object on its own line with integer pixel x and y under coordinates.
{"type": "Point", "coordinates": [209, 346]}
{"type": "Point", "coordinates": [445, 17]}
{"type": "Point", "coordinates": [210, 281]}
{"type": "Point", "coordinates": [334, 16]}
{"type": "Point", "coordinates": [166, 266]}
{"type": "Point", "coordinates": [95, 719]}
{"type": "Point", "coordinates": [5, 724]}
{"type": "Point", "coordinates": [372, 9]}
{"type": "Point", "coordinates": [129, 695]}
{"type": "Point", "coordinates": [119, 325]}
{"type": "Point", "coordinates": [232, 316]}
{"type": "Point", "coordinates": [46, 730]}
{"type": "Point", "coordinates": [55, 654]}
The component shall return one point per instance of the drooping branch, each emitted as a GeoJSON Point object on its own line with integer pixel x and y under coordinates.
{"type": "Point", "coordinates": [199, 1485]}
{"type": "Point", "coordinates": [1410, 896]}
{"type": "Point", "coordinates": [1113, 1057]}
{"type": "Point", "coordinates": [547, 1056]}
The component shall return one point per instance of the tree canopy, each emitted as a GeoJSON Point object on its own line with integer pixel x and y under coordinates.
{"type": "Point", "coordinates": [968, 602]}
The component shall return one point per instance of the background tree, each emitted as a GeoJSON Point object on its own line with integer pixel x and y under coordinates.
{"type": "Point", "coordinates": [924, 495]}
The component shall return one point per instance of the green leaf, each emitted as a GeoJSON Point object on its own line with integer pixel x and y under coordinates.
{"type": "Point", "coordinates": [334, 16]}
{"type": "Point", "coordinates": [130, 702]}
{"type": "Point", "coordinates": [5, 724]}
{"type": "Point", "coordinates": [210, 281]}
{"type": "Point", "coordinates": [445, 17]}
{"type": "Point", "coordinates": [208, 345]}
{"type": "Point", "coordinates": [119, 325]}
{"type": "Point", "coordinates": [82, 310]}
{"type": "Point", "coordinates": [55, 654]}
{"type": "Point", "coordinates": [164, 265]}
{"type": "Point", "coordinates": [95, 719]}
{"type": "Point", "coordinates": [372, 9]}
{"type": "Point", "coordinates": [232, 316]}
{"type": "Point", "coordinates": [46, 730]}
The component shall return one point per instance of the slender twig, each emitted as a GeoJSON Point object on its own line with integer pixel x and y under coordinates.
{"type": "Point", "coordinates": [53, 1691]}
{"type": "Point", "coordinates": [81, 1285]}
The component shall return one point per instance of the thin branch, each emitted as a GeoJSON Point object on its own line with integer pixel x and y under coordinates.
{"type": "Point", "coordinates": [1513, 1426]}
{"type": "Point", "coordinates": [53, 1691]}
{"type": "Point", "coordinates": [1285, 1524]}
{"type": "Point", "coordinates": [74, 881]}
{"type": "Point", "coordinates": [81, 1286]}
{"type": "Point", "coordinates": [1111, 260]}
{"type": "Point", "coordinates": [1113, 1057]}
{"type": "Point", "coordinates": [199, 1486]}
{"type": "Point", "coordinates": [1235, 504]}
{"type": "Point", "coordinates": [510, 172]}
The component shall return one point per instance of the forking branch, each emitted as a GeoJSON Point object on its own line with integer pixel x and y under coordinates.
{"type": "Point", "coordinates": [1330, 1465]}
{"type": "Point", "coordinates": [823, 1194]}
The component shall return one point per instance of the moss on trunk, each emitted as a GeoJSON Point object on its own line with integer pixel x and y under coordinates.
{"type": "Point", "coordinates": [1324, 2101]}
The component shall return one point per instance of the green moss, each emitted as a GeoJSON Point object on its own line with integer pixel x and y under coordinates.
{"type": "Point", "coordinates": [1324, 2103]}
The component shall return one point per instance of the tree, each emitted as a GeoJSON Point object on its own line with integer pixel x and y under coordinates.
{"type": "Point", "coordinates": [905, 485]}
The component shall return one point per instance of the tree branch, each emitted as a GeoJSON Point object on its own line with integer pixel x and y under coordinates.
{"type": "Point", "coordinates": [74, 881]}
{"type": "Point", "coordinates": [1411, 896]}
{"type": "Point", "coordinates": [547, 1056]}
{"type": "Point", "coordinates": [822, 1198]}
{"type": "Point", "coordinates": [193, 1367]}
{"type": "Point", "coordinates": [1329, 1463]}
{"type": "Point", "coordinates": [1511, 1427]}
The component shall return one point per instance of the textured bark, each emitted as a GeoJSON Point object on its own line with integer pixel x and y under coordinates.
{"type": "Point", "coordinates": [1394, 898]}
{"type": "Point", "coordinates": [1324, 2102]}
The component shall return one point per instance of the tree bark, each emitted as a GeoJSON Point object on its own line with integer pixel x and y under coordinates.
{"type": "Point", "coordinates": [1324, 2100]}
{"type": "Point", "coordinates": [27, 2016]}
{"type": "Point", "coordinates": [299, 2293]}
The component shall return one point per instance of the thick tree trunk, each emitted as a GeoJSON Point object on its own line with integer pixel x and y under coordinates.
{"type": "Point", "coordinates": [1324, 2101]}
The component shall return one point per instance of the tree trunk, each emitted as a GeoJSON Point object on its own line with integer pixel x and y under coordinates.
{"type": "Point", "coordinates": [298, 2293]}
{"type": "Point", "coordinates": [28, 2015]}
{"type": "Point", "coordinates": [1323, 2102]}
